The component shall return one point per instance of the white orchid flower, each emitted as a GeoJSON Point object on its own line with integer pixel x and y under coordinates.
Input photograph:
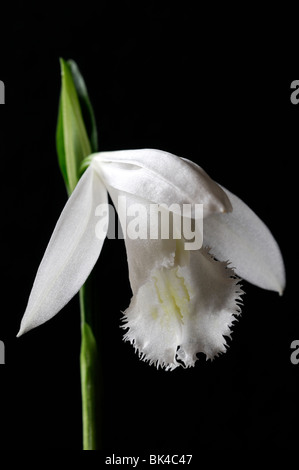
{"type": "Point", "coordinates": [184, 302]}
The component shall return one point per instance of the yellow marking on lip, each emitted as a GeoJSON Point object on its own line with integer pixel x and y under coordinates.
{"type": "Point", "coordinates": [172, 295]}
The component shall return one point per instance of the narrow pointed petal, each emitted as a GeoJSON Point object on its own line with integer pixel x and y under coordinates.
{"type": "Point", "coordinates": [243, 239]}
{"type": "Point", "coordinates": [160, 177]}
{"type": "Point", "coordinates": [71, 253]}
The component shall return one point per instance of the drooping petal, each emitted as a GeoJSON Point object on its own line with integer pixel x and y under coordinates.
{"type": "Point", "coordinates": [181, 311]}
{"type": "Point", "coordinates": [70, 255]}
{"type": "Point", "coordinates": [160, 177]}
{"type": "Point", "coordinates": [243, 239]}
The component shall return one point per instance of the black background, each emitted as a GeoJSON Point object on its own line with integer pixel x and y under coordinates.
{"type": "Point", "coordinates": [211, 87]}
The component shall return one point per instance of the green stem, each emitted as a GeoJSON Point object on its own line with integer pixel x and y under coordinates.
{"type": "Point", "coordinates": [74, 144]}
{"type": "Point", "coordinates": [89, 369]}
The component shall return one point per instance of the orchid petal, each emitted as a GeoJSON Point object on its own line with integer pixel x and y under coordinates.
{"type": "Point", "coordinates": [160, 177]}
{"type": "Point", "coordinates": [71, 253]}
{"type": "Point", "coordinates": [143, 254]}
{"type": "Point", "coordinates": [243, 239]}
{"type": "Point", "coordinates": [181, 311]}
{"type": "Point", "coordinates": [183, 302]}
{"type": "Point", "coordinates": [215, 299]}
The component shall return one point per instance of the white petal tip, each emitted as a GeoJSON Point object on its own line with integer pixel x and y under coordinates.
{"type": "Point", "coordinates": [247, 242]}
{"type": "Point", "coordinates": [24, 328]}
{"type": "Point", "coordinates": [281, 291]}
{"type": "Point", "coordinates": [280, 284]}
{"type": "Point", "coordinates": [20, 332]}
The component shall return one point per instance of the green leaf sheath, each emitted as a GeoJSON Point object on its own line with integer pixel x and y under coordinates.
{"type": "Point", "coordinates": [72, 141]}
{"type": "Point", "coordinates": [60, 147]}
{"type": "Point", "coordinates": [85, 104]}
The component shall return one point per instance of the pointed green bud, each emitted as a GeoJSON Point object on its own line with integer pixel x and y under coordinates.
{"type": "Point", "coordinates": [72, 141]}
